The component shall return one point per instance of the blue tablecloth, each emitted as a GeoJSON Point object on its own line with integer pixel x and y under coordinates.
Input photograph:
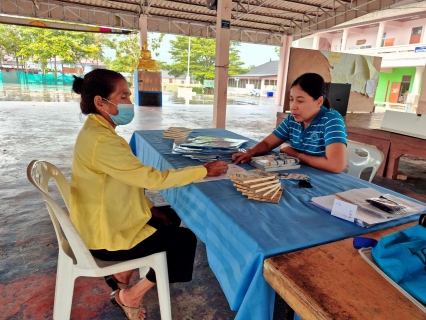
{"type": "Point", "coordinates": [240, 233]}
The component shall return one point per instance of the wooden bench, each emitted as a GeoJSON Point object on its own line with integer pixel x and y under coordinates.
{"type": "Point", "coordinates": [332, 281]}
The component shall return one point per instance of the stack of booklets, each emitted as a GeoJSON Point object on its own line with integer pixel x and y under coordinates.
{"type": "Point", "coordinates": [275, 162]}
{"type": "Point", "coordinates": [373, 207]}
{"type": "Point", "coordinates": [179, 133]}
{"type": "Point", "coordinates": [206, 149]}
{"type": "Point", "coordinates": [258, 185]}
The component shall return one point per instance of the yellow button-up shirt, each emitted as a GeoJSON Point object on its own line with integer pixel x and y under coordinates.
{"type": "Point", "coordinates": [108, 203]}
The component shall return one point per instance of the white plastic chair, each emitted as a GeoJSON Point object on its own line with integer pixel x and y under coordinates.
{"type": "Point", "coordinates": [361, 156]}
{"type": "Point", "coordinates": [75, 259]}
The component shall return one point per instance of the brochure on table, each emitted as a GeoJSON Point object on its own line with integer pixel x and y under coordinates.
{"type": "Point", "coordinates": [364, 214]}
{"type": "Point", "coordinates": [206, 149]}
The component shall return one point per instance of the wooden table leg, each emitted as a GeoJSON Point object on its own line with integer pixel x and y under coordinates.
{"type": "Point", "coordinates": [393, 163]}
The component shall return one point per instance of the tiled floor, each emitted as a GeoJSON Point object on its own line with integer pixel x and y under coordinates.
{"type": "Point", "coordinates": [28, 248]}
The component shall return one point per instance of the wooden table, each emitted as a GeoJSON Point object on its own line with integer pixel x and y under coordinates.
{"type": "Point", "coordinates": [400, 145]}
{"type": "Point", "coordinates": [365, 128]}
{"type": "Point", "coordinates": [333, 281]}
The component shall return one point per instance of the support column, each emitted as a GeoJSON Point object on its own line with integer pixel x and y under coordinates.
{"type": "Point", "coordinates": [421, 106]}
{"type": "Point", "coordinates": [380, 34]}
{"type": "Point", "coordinates": [315, 43]}
{"type": "Point", "coordinates": [143, 29]}
{"type": "Point", "coordinates": [417, 79]}
{"type": "Point", "coordinates": [223, 36]}
{"type": "Point", "coordinates": [423, 36]}
{"type": "Point", "coordinates": [283, 69]}
{"type": "Point", "coordinates": [344, 39]}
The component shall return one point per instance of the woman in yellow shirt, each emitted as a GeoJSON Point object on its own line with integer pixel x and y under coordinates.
{"type": "Point", "coordinates": [108, 204]}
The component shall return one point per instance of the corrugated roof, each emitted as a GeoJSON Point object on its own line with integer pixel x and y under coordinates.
{"type": "Point", "coordinates": [267, 69]}
{"type": "Point", "coordinates": [253, 21]}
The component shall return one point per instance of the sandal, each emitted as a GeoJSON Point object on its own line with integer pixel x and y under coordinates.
{"type": "Point", "coordinates": [114, 284]}
{"type": "Point", "coordinates": [135, 312]}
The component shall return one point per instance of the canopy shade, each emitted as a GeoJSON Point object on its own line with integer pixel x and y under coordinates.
{"type": "Point", "coordinates": [254, 21]}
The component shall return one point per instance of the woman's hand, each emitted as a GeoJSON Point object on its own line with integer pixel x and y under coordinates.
{"type": "Point", "coordinates": [290, 151]}
{"type": "Point", "coordinates": [242, 157]}
{"type": "Point", "coordinates": [216, 168]}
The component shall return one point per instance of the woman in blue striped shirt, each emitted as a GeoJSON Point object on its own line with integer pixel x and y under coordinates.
{"type": "Point", "coordinates": [316, 133]}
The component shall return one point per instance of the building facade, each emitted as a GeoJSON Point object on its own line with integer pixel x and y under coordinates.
{"type": "Point", "coordinates": [261, 79]}
{"type": "Point", "coordinates": [396, 35]}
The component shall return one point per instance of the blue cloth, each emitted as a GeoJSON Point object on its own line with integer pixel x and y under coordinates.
{"type": "Point", "coordinates": [240, 233]}
{"type": "Point", "coordinates": [328, 127]}
{"type": "Point", "coordinates": [402, 256]}
{"type": "Point", "coordinates": [364, 242]}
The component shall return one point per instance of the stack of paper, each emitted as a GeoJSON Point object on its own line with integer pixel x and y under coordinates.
{"type": "Point", "coordinates": [367, 215]}
{"type": "Point", "coordinates": [275, 162]}
{"type": "Point", "coordinates": [258, 185]}
{"type": "Point", "coordinates": [206, 149]}
{"type": "Point", "coordinates": [179, 133]}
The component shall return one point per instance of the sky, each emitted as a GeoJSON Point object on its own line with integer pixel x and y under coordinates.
{"type": "Point", "coordinates": [250, 53]}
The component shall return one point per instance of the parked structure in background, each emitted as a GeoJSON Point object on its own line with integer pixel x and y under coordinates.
{"type": "Point", "coordinates": [398, 36]}
{"type": "Point", "coordinates": [262, 78]}
{"type": "Point", "coordinates": [168, 79]}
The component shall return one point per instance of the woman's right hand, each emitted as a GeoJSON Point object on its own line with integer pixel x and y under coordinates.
{"type": "Point", "coordinates": [242, 157]}
{"type": "Point", "coordinates": [216, 168]}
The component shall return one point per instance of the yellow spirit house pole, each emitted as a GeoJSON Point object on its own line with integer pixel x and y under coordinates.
{"type": "Point", "coordinates": [223, 34]}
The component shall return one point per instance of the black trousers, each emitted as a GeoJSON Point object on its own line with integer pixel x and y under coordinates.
{"type": "Point", "coordinates": [179, 244]}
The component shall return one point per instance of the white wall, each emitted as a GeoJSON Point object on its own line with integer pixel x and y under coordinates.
{"type": "Point", "coordinates": [404, 33]}
{"type": "Point", "coordinates": [335, 41]}
{"type": "Point", "coordinates": [401, 31]}
{"type": "Point", "coordinates": [368, 34]}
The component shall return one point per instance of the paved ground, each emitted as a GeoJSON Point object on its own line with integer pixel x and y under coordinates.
{"type": "Point", "coordinates": [28, 247]}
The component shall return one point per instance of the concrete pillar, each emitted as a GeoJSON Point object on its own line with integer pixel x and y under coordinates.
{"type": "Point", "coordinates": [262, 86]}
{"type": "Point", "coordinates": [380, 34]}
{"type": "Point", "coordinates": [344, 39]}
{"type": "Point", "coordinates": [223, 36]}
{"type": "Point", "coordinates": [417, 79]}
{"type": "Point", "coordinates": [421, 106]}
{"type": "Point", "coordinates": [315, 43]}
{"type": "Point", "coordinates": [143, 29]}
{"type": "Point", "coordinates": [283, 69]}
{"type": "Point", "coordinates": [423, 36]}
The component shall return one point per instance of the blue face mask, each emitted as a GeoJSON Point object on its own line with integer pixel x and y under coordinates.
{"type": "Point", "coordinates": [126, 113]}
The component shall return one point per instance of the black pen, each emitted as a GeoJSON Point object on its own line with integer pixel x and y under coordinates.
{"type": "Point", "coordinates": [218, 158]}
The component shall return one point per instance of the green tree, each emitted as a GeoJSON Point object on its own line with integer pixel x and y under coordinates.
{"type": "Point", "coordinates": [11, 41]}
{"type": "Point", "coordinates": [44, 45]}
{"type": "Point", "coordinates": [70, 47]}
{"type": "Point", "coordinates": [202, 58]}
{"type": "Point", "coordinates": [127, 50]}
{"type": "Point", "coordinates": [277, 51]}
{"type": "Point", "coordinates": [85, 46]}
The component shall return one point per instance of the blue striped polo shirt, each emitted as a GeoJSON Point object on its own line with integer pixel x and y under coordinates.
{"type": "Point", "coordinates": [328, 127]}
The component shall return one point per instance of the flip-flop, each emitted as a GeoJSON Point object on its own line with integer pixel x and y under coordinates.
{"type": "Point", "coordinates": [114, 284]}
{"type": "Point", "coordinates": [126, 310]}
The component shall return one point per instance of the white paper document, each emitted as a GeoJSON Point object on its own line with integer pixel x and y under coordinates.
{"type": "Point", "coordinates": [232, 168]}
{"type": "Point", "coordinates": [366, 214]}
{"type": "Point", "coordinates": [344, 210]}
{"type": "Point", "coordinates": [362, 218]}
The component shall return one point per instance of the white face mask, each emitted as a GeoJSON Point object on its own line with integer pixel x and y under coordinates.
{"type": "Point", "coordinates": [126, 113]}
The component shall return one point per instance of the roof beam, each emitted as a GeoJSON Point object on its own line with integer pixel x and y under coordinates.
{"type": "Point", "coordinates": [346, 12]}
